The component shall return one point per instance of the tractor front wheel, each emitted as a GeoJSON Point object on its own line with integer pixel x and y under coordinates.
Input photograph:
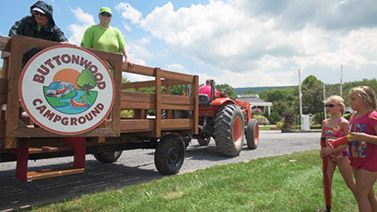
{"type": "Point", "coordinates": [229, 130]}
{"type": "Point", "coordinates": [252, 134]}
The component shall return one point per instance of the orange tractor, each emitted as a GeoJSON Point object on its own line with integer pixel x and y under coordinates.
{"type": "Point", "coordinates": [225, 119]}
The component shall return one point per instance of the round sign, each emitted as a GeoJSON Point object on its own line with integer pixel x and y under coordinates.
{"type": "Point", "coordinates": [66, 90]}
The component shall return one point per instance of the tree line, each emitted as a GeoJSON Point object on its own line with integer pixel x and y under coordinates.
{"type": "Point", "coordinates": [286, 101]}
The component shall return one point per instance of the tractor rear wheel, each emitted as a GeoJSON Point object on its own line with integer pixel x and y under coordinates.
{"type": "Point", "coordinates": [170, 154]}
{"type": "Point", "coordinates": [252, 134]}
{"type": "Point", "coordinates": [229, 130]}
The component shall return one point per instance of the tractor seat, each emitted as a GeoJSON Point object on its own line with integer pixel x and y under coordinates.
{"type": "Point", "coordinates": [204, 100]}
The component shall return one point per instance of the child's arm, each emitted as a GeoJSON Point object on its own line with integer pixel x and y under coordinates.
{"type": "Point", "coordinates": [356, 136]}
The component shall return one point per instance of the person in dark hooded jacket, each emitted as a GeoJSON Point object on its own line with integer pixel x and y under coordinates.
{"type": "Point", "coordinates": [40, 24]}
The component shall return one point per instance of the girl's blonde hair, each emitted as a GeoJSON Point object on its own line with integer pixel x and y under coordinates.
{"type": "Point", "coordinates": [366, 94]}
{"type": "Point", "coordinates": [339, 100]}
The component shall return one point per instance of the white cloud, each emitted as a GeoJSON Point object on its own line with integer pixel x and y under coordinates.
{"type": "Point", "coordinates": [128, 12]}
{"type": "Point", "coordinates": [266, 40]}
{"type": "Point", "coordinates": [255, 43]}
{"type": "Point", "coordinates": [78, 30]}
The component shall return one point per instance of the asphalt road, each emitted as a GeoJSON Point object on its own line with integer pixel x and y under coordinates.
{"type": "Point", "coordinates": [134, 166]}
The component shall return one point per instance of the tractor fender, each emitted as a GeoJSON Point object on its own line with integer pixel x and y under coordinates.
{"type": "Point", "coordinates": [222, 101]}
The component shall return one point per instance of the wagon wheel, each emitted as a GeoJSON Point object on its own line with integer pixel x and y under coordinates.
{"type": "Point", "coordinates": [229, 130]}
{"type": "Point", "coordinates": [108, 157]}
{"type": "Point", "coordinates": [252, 134]}
{"type": "Point", "coordinates": [204, 141]}
{"type": "Point", "coordinates": [170, 154]}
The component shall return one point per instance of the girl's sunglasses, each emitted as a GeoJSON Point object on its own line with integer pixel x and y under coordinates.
{"type": "Point", "coordinates": [330, 105]}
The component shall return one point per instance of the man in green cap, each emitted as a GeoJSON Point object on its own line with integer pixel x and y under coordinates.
{"type": "Point", "coordinates": [104, 37]}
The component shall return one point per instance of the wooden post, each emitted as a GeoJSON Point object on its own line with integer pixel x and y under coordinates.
{"type": "Point", "coordinates": [17, 50]}
{"type": "Point", "coordinates": [22, 153]}
{"type": "Point", "coordinates": [78, 144]}
{"type": "Point", "coordinates": [117, 63]}
{"type": "Point", "coordinates": [158, 102]}
{"type": "Point", "coordinates": [195, 95]}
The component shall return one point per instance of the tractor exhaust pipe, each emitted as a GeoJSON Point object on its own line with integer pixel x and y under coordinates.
{"type": "Point", "coordinates": [212, 90]}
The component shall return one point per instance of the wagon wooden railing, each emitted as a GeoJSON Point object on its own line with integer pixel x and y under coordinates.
{"type": "Point", "coordinates": [13, 126]}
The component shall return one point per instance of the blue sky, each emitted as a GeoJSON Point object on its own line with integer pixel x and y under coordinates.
{"type": "Point", "coordinates": [242, 43]}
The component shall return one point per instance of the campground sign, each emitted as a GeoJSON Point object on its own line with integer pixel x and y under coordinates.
{"type": "Point", "coordinates": [66, 90]}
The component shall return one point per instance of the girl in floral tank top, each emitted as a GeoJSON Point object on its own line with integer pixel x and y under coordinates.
{"type": "Point", "coordinates": [336, 132]}
{"type": "Point", "coordinates": [332, 128]}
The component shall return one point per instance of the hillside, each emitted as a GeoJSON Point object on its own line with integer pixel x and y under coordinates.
{"type": "Point", "coordinates": [242, 90]}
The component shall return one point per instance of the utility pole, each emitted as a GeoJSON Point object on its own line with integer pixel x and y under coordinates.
{"type": "Point", "coordinates": [300, 97]}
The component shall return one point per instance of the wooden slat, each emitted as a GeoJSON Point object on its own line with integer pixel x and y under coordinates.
{"type": "Point", "coordinates": [176, 100]}
{"type": "Point", "coordinates": [177, 107]}
{"type": "Point", "coordinates": [176, 124]}
{"type": "Point", "coordinates": [23, 132]}
{"type": "Point", "coordinates": [138, 69]}
{"type": "Point", "coordinates": [48, 173]}
{"type": "Point", "coordinates": [148, 71]}
{"type": "Point", "coordinates": [3, 43]}
{"type": "Point", "coordinates": [2, 133]}
{"type": "Point", "coordinates": [151, 83]}
{"type": "Point", "coordinates": [138, 100]}
{"type": "Point", "coordinates": [176, 76]}
{"type": "Point", "coordinates": [136, 125]}
{"type": "Point", "coordinates": [145, 125]}
{"type": "Point", "coordinates": [137, 97]}
{"type": "Point", "coordinates": [3, 85]}
{"type": "Point", "coordinates": [135, 85]}
{"type": "Point", "coordinates": [3, 98]}
{"type": "Point", "coordinates": [45, 149]}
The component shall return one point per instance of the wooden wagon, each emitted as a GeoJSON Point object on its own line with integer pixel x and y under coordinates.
{"type": "Point", "coordinates": [21, 139]}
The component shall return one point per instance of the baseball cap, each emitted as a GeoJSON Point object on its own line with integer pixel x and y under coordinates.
{"type": "Point", "coordinates": [38, 10]}
{"type": "Point", "coordinates": [105, 9]}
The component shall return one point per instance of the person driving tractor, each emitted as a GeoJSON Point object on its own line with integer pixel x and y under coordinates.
{"type": "Point", "coordinates": [206, 89]}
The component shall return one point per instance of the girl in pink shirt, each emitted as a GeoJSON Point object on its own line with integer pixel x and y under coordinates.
{"type": "Point", "coordinates": [363, 148]}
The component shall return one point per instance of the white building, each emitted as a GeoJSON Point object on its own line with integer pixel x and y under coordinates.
{"type": "Point", "coordinates": [255, 101]}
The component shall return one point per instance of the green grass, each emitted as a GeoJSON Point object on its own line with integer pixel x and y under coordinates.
{"type": "Point", "coordinates": [286, 183]}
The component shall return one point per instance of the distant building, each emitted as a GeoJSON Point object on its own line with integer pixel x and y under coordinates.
{"type": "Point", "coordinates": [255, 101]}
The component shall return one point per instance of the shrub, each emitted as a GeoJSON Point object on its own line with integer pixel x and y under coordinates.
{"type": "Point", "coordinates": [318, 118]}
{"type": "Point", "coordinates": [274, 118]}
{"type": "Point", "coordinates": [280, 125]}
{"type": "Point", "coordinates": [126, 113]}
{"type": "Point", "coordinates": [257, 111]}
{"type": "Point", "coordinates": [262, 120]}
{"type": "Point", "coordinates": [347, 116]}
